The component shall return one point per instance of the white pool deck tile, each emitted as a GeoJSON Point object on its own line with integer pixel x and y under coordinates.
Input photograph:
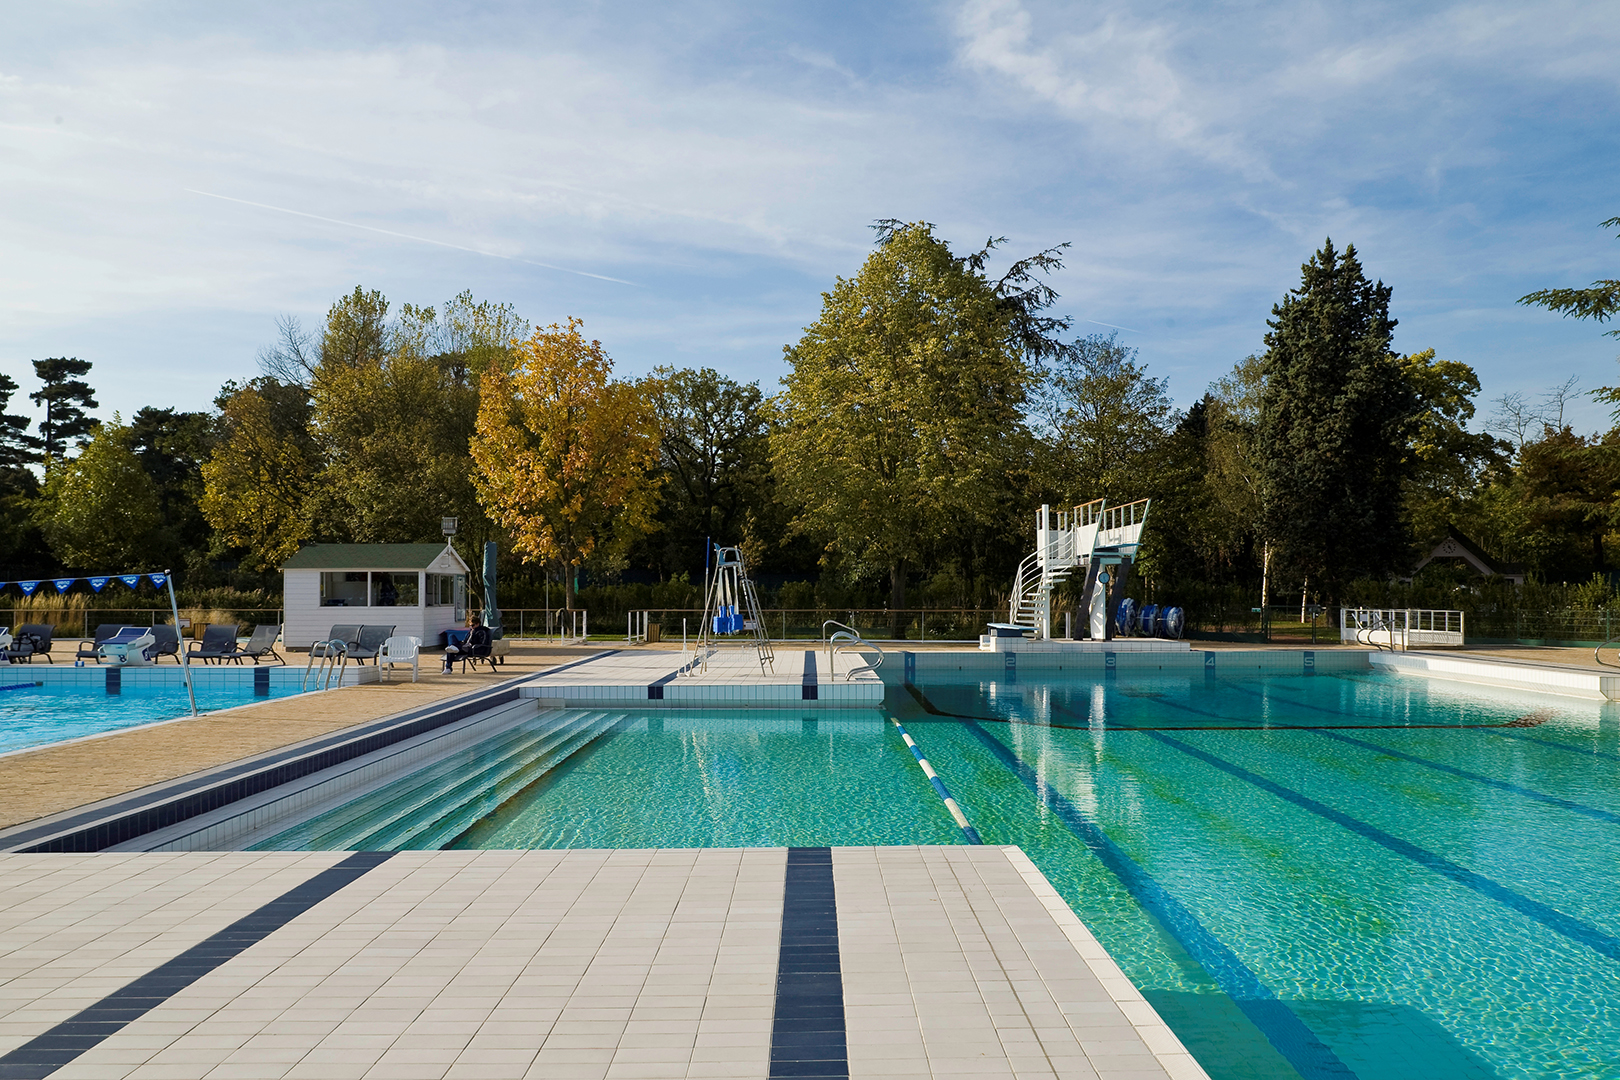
{"type": "Point", "coordinates": [732, 677]}
{"type": "Point", "coordinates": [957, 961]}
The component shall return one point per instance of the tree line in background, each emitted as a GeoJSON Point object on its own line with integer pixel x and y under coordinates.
{"type": "Point", "coordinates": [925, 413]}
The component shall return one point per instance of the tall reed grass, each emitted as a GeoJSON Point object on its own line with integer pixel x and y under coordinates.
{"type": "Point", "coordinates": [75, 614]}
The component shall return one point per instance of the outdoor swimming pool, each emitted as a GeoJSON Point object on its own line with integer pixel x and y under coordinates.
{"type": "Point", "coordinates": [34, 714]}
{"type": "Point", "coordinates": [1322, 876]}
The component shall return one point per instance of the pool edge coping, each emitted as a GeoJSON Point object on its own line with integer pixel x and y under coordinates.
{"type": "Point", "coordinates": [1167, 1048]}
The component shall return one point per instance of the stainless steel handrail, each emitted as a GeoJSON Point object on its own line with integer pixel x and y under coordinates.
{"type": "Point", "coordinates": [334, 654]}
{"type": "Point", "coordinates": [847, 637]}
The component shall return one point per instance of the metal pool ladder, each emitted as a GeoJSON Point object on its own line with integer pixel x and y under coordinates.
{"type": "Point", "coordinates": [847, 637]}
{"type": "Point", "coordinates": [334, 661]}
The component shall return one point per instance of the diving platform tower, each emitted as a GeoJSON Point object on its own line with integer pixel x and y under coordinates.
{"type": "Point", "coordinates": [1095, 540]}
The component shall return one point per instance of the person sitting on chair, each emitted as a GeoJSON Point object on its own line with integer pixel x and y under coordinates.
{"type": "Point", "coordinates": [478, 645]}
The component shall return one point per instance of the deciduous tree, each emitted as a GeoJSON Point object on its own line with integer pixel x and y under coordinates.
{"type": "Point", "coordinates": [258, 480]}
{"type": "Point", "coordinates": [98, 511]}
{"type": "Point", "coordinates": [715, 459]}
{"type": "Point", "coordinates": [1102, 420]}
{"type": "Point", "coordinates": [1446, 460]}
{"type": "Point", "coordinates": [566, 456]}
{"type": "Point", "coordinates": [902, 422]}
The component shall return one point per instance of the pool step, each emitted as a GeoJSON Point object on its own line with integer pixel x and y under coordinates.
{"type": "Point", "coordinates": [434, 831]}
{"type": "Point", "coordinates": [435, 797]}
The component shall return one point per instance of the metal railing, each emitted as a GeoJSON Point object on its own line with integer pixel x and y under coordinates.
{"type": "Point", "coordinates": [334, 657]}
{"type": "Point", "coordinates": [1391, 628]}
{"type": "Point", "coordinates": [546, 624]}
{"type": "Point", "coordinates": [847, 637]}
{"type": "Point", "coordinates": [635, 627]}
{"type": "Point", "coordinates": [960, 625]}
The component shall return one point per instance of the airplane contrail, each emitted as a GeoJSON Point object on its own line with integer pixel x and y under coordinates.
{"type": "Point", "coordinates": [408, 236]}
{"type": "Point", "coordinates": [1111, 326]}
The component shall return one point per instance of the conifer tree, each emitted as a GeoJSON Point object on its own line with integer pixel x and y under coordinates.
{"type": "Point", "coordinates": [65, 396]}
{"type": "Point", "coordinates": [15, 442]}
{"type": "Point", "coordinates": [1335, 414]}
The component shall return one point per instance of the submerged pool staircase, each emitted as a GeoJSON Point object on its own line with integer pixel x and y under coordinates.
{"type": "Point", "coordinates": [429, 808]}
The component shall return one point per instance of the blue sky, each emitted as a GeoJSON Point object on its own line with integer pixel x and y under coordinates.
{"type": "Point", "coordinates": [689, 178]}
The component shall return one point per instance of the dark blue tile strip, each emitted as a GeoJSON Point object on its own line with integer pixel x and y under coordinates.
{"type": "Point", "coordinates": [811, 690]}
{"type": "Point", "coordinates": [43, 1055]}
{"type": "Point", "coordinates": [1570, 927]}
{"type": "Point", "coordinates": [1285, 1031]}
{"type": "Point", "coordinates": [115, 680]}
{"type": "Point", "coordinates": [261, 682]}
{"type": "Point", "coordinates": [1464, 774]}
{"type": "Point", "coordinates": [101, 827]}
{"type": "Point", "coordinates": [655, 689]}
{"type": "Point", "coordinates": [807, 1035]}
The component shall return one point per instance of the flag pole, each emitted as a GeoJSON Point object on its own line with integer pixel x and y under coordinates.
{"type": "Point", "coordinates": [185, 664]}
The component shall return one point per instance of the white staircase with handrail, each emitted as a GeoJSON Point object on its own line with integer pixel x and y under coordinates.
{"type": "Point", "coordinates": [1070, 541]}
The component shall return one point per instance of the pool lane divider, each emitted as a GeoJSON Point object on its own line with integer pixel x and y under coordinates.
{"type": "Point", "coordinates": [968, 830]}
{"type": "Point", "coordinates": [1298, 1044]}
{"type": "Point", "coordinates": [45, 1054]}
{"type": "Point", "coordinates": [811, 689]}
{"type": "Point", "coordinates": [122, 819]}
{"type": "Point", "coordinates": [1574, 929]}
{"type": "Point", "coordinates": [1488, 781]}
{"type": "Point", "coordinates": [808, 1037]}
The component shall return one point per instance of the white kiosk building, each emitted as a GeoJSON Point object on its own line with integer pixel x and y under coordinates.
{"type": "Point", "coordinates": [420, 589]}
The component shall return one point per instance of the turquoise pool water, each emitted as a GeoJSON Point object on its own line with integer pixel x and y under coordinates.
{"type": "Point", "coordinates": [33, 715]}
{"type": "Point", "coordinates": [1309, 876]}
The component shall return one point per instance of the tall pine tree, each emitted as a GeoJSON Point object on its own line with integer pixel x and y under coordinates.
{"type": "Point", "coordinates": [65, 396]}
{"type": "Point", "coordinates": [1334, 419]}
{"type": "Point", "coordinates": [16, 445]}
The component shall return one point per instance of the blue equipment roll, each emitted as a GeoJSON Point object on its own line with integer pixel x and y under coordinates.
{"type": "Point", "coordinates": [1174, 622]}
{"type": "Point", "coordinates": [1125, 617]}
{"type": "Point", "coordinates": [1150, 620]}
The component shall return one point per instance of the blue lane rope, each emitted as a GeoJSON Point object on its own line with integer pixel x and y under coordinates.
{"type": "Point", "coordinates": [968, 831]}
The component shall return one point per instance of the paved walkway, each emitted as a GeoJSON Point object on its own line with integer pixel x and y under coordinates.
{"type": "Point", "coordinates": [637, 963]}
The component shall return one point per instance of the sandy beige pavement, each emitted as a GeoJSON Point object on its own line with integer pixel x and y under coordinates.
{"type": "Point", "coordinates": [51, 779]}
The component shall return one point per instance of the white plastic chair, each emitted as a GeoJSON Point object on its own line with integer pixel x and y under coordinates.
{"type": "Point", "coordinates": [401, 649]}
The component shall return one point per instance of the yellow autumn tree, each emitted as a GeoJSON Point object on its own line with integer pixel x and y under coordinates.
{"type": "Point", "coordinates": [256, 484]}
{"type": "Point", "coordinates": [565, 455]}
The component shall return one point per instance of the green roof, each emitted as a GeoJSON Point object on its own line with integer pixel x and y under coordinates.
{"type": "Point", "coordinates": [364, 557]}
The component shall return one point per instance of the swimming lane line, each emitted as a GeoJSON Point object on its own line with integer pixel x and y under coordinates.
{"type": "Point", "coordinates": [1296, 1042]}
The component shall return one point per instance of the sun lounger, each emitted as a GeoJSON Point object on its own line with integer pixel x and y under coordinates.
{"type": "Point", "coordinates": [261, 644]}
{"type": "Point", "coordinates": [400, 649]}
{"type": "Point", "coordinates": [218, 642]}
{"type": "Point", "coordinates": [165, 642]}
{"type": "Point", "coordinates": [369, 641]}
{"type": "Point", "coordinates": [129, 646]}
{"type": "Point", "coordinates": [348, 634]}
{"type": "Point", "coordinates": [91, 649]}
{"type": "Point", "coordinates": [38, 638]}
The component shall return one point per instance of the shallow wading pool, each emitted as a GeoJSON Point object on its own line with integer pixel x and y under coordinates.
{"type": "Point", "coordinates": [40, 705]}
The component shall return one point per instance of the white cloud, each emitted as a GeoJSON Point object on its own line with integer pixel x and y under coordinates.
{"type": "Point", "coordinates": [727, 157]}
